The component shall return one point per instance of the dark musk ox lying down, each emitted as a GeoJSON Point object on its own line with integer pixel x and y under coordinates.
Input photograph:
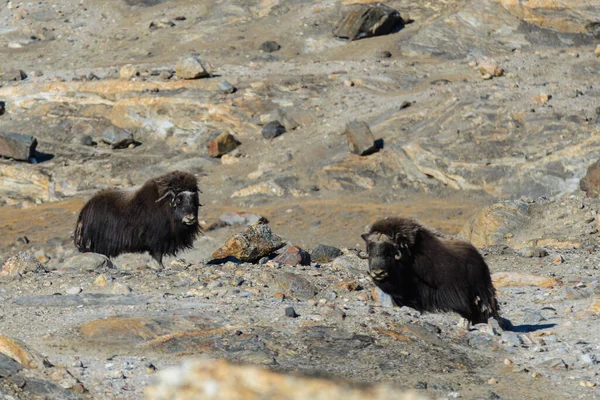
{"type": "Point", "coordinates": [161, 217]}
{"type": "Point", "coordinates": [429, 273]}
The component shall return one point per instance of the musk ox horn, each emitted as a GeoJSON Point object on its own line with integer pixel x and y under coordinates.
{"type": "Point", "coordinates": [169, 193]}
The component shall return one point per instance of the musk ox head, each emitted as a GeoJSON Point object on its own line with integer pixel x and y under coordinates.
{"type": "Point", "coordinates": [385, 254]}
{"type": "Point", "coordinates": [180, 192]}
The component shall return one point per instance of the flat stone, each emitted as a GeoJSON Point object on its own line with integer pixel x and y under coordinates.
{"type": "Point", "coordinates": [491, 68]}
{"type": "Point", "coordinates": [87, 262]}
{"type": "Point", "coordinates": [504, 279]}
{"type": "Point", "coordinates": [136, 262]}
{"type": "Point", "coordinates": [117, 138]}
{"type": "Point", "coordinates": [190, 67]}
{"type": "Point", "coordinates": [253, 243]}
{"type": "Point", "coordinates": [360, 138]}
{"type": "Point", "coordinates": [18, 146]}
{"type": "Point", "coordinates": [295, 285]}
{"type": "Point", "coordinates": [171, 334]}
{"type": "Point", "coordinates": [293, 255]}
{"type": "Point", "coordinates": [272, 130]}
{"type": "Point", "coordinates": [226, 87]}
{"type": "Point", "coordinates": [368, 20]}
{"type": "Point", "coordinates": [324, 254]}
{"type": "Point", "coordinates": [194, 379]}
{"type": "Point", "coordinates": [222, 144]}
{"type": "Point", "coordinates": [86, 299]}
{"type": "Point", "coordinates": [74, 290]}
{"type": "Point", "coordinates": [20, 264]}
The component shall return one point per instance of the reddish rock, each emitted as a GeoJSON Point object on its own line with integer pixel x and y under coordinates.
{"type": "Point", "coordinates": [502, 279]}
{"type": "Point", "coordinates": [293, 255]}
{"type": "Point", "coordinates": [222, 144]}
{"type": "Point", "coordinates": [18, 146]}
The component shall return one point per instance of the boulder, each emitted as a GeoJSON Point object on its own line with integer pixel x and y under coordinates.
{"type": "Point", "coordinates": [368, 20]}
{"type": "Point", "coordinates": [324, 254]}
{"type": "Point", "coordinates": [20, 264]}
{"type": "Point", "coordinates": [360, 138]}
{"type": "Point", "coordinates": [222, 144]}
{"type": "Point", "coordinates": [190, 67]}
{"type": "Point", "coordinates": [18, 146]}
{"type": "Point", "coordinates": [250, 245]}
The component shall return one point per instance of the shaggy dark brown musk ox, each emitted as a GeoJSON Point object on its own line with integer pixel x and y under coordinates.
{"type": "Point", "coordinates": [161, 217]}
{"type": "Point", "coordinates": [428, 273]}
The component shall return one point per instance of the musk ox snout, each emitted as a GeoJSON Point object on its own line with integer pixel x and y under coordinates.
{"type": "Point", "coordinates": [189, 219]}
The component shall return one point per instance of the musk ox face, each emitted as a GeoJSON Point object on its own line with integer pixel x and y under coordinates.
{"type": "Point", "coordinates": [184, 206]}
{"type": "Point", "coordinates": [383, 254]}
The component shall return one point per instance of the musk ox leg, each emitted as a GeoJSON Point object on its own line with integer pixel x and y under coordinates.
{"type": "Point", "coordinates": [157, 255]}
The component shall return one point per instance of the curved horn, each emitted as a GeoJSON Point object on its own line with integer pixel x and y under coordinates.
{"type": "Point", "coordinates": [363, 255]}
{"type": "Point", "coordinates": [169, 193]}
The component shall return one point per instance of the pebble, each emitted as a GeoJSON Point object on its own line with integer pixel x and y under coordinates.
{"type": "Point", "coordinates": [74, 290]}
{"type": "Point", "coordinates": [290, 312]}
{"type": "Point", "coordinates": [421, 385]}
{"type": "Point", "coordinates": [272, 130]}
{"type": "Point", "coordinates": [270, 46]}
{"type": "Point", "coordinates": [226, 87]}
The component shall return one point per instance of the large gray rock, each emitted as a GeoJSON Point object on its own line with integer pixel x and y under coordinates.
{"type": "Point", "coordinates": [324, 254]}
{"type": "Point", "coordinates": [18, 146]}
{"type": "Point", "coordinates": [87, 262]}
{"type": "Point", "coordinates": [360, 138]}
{"type": "Point", "coordinates": [368, 20]}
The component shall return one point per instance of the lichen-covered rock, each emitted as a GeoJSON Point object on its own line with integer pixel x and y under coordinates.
{"type": "Point", "coordinates": [250, 245]}
{"type": "Point", "coordinates": [20, 264]}
{"type": "Point", "coordinates": [295, 285]}
{"type": "Point", "coordinates": [207, 379]}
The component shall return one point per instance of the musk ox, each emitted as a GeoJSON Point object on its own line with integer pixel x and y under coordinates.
{"type": "Point", "coordinates": [161, 217]}
{"type": "Point", "coordinates": [428, 273]}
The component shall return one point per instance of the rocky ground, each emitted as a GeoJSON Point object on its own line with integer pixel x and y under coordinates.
{"type": "Point", "coordinates": [486, 119]}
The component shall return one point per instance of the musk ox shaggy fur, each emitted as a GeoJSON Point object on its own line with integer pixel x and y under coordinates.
{"type": "Point", "coordinates": [429, 273]}
{"type": "Point", "coordinates": [161, 217]}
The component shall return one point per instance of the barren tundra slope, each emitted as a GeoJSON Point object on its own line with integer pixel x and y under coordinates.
{"type": "Point", "coordinates": [304, 122]}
